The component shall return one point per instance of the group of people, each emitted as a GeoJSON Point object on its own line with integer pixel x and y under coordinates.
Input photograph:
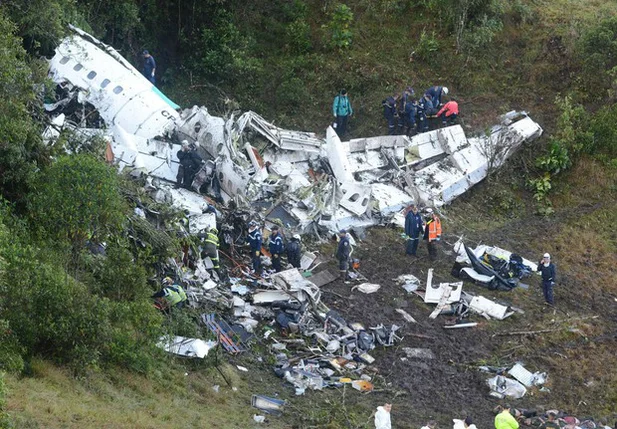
{"type": "Point", "coordinates": [404, 113]}
{"type": "Point", "coordinates": [407, 115]}
{"type": "Point", "coordinates": [506, 418]}
{"type": "Point", "coordinates": [276, 246]}
{"type": "Point", "coordinates": [429, 227]}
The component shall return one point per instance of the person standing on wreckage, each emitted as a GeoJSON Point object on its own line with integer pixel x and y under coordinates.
{"type": "Point", "coordinates": [254, 239]}
{"type": "Point", "coordinates": [342, 253]}
{"type": "Point", "coordinates": [547, 268]}
{"type": "Point", "coordinates": [413, 229]}
{"type": "Point", "coordinates": [432, 233]}
{"type": "Point", "coordinates": [275, 245]}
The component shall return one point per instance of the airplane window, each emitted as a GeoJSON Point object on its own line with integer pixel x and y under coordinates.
{"type": "Point", "coordinates": [105, 83]}
{"type": "Point", "coordinates": [118, 90]}
{"type": "Point", "coordinates": [78, 67]}
{"type": "Point", "coordinates": [91, 75]}
{"type": "Point", "coordinates": [65, 60]}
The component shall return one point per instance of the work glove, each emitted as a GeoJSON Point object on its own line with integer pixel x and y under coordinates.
{"type": "Point", "coordinates": [275, 256]}
{"type": "Point", "coordinates": [256, 252]}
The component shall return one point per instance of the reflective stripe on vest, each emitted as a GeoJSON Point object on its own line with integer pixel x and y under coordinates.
{"type": "Point", "coordinates": [213, 239]}
{"type": "Point", "coordinates": [175, 294]}
{"type": "Point", "coordinates": [434, 229]}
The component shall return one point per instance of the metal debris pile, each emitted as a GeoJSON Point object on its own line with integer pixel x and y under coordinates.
{"type": "Point", "coordinates": [310, 183]}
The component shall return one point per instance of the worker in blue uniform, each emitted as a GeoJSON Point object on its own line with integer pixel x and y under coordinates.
{"type": "Point", "coordinates": [255, 241]}
{"type": "Point", "coordinates": [275, 246]}
{"type": "Point", "coordinates": [413, 230]}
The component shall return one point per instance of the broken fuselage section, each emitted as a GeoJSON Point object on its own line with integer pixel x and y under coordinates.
{"type": "Point", "coordinates": [305, 181]}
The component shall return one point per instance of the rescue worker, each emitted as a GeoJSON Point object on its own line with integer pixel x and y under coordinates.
{"type": "Point", "coordinates": [382, 417]}
{"type": "Point", "coordinates": [275, 246]}
{"type": "Point", "coordinates": [449, 112]}
{"type": "Point", "coordinates": [405, 98]}
{"type": "Point", "coordinates": [436, 92]}
{"type": "Point", "coordinates": [342, 110]}
{"type": "Point", "coordinates": [343, 252]}
{"type": "Point", "coordinates": [425, 108]}
{"type": "Point", "coordinates": [254, 238]}
{"type": "Point", "coordinates": [389, 113]}
{"type": "Point", "coordinates": [171, 295]}
{"type": "Point", "coordinates": [547, 268]}
{"type": "Point", "coordinates": [211, 247]}
{"type": "Point", "coordinates": [149, 67]}
{"type": "Point", "coordinates": [505, 419]}
{"type": "Point", "coordinates": [294, 251]}
{"type": "Point", "coordinates": [411, 112]}
{"type": "Point", "coordinates": [190, 163]}
{"type": "Point", "coordinates": [432, 233]}
{"type": "Point", "coordinates": [413, 229]}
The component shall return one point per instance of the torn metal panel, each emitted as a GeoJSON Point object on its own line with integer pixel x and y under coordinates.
{"type": "Point", "coordinates": [337, 157]}
{"type": "Point", "coordinates": [474, 275]}
{"type": "Point", "coordinates": [526, 377]}
{"type": "Point", "coordinates": [389, 199]}
{"type": "Point", "coordinates": [270, 296]}
{"type": "Point", "coordinates": [120, 93]}
{"type": "Point", "coordinates": [356, 197]}
{"type": "Point", "coordinates": [434, 294]}
{"type": "Point", "coordinates": [187, 347]}
{"type": "Point", "coordinates": [307, 260]}
{"type": "Point", "coordinates": [293, 282]}
{"type": "Point", "coordinates": [482, 305]}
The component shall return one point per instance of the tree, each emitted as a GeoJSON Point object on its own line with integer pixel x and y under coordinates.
{"type": "Point", "coordinates": [77, 199]}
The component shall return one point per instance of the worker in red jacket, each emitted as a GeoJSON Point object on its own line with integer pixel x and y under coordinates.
{"type": "Point", "coordinates": [449, 112]}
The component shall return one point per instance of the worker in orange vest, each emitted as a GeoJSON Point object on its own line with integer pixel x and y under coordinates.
{"type": "Point", "coordinates": [432, 232]}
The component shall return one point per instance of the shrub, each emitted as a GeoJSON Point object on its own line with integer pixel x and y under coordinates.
{"type": "Point", "coordinates": [76, 199]}
{"type": "Point", "coordinates": [299, 36]}
{"type": "Point", "coordinates": [339, 26]}
{"type": "Point", "coordinates": [427, 45]}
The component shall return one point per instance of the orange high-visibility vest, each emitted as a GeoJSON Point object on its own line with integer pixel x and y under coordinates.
{"type": "Point", "coordinates": [434, 229]}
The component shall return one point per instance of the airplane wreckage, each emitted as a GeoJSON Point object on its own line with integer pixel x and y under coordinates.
{"type": "Point", "coordinates": [307, 182]}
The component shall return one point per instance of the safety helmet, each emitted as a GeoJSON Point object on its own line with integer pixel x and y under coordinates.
{"type": "Point", "coordinates": [185, 143]}
{"type": "Point", "coordinates": [214, 229]}
{"type": "Point", "coordinates": [297, 237]}
{"type": "Point", "coordinates": [167, 281]}
{"type": "Point", "coordinates": [252, 224]}
{"type": "Point", "coordinates": [429, 210]}
{"type": "Point", "coordinates": [445, 90]}
{"type": "Point", "coordinates": [547, 256]}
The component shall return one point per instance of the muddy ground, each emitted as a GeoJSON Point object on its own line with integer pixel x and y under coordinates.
{"type": "Point", "coordinates": [450, 386]}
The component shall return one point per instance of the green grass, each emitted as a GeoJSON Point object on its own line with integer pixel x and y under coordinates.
{"type": "Point", "coordinates": [52, 398]}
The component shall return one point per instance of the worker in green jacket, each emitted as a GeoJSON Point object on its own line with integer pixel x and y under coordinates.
{"type": "Point", "coordinates": [342, 110]}
{"type": "Point", "coordinates": [211, 246]}
{"type": "Point", "coordinates": [505, 419]}
{"type": "Point", "coordinates": [170, 295]}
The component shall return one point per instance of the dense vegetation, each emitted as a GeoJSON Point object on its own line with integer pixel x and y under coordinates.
{"type": "Point", "coordinates": [285, 59]}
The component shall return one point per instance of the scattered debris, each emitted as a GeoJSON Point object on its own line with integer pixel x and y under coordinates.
{"type": "Point", "coordinates": [418, 353]}
{"type": "Point", "coordinates": [187, 347]}
{"type": "Point", "coordinates": [493, 267]}
{"type": "Point", "coordinates": [367, 288]}
{"type": "Point", "coordinates": [268, 405]}
{"type": "Point", "coordinates": [406, 315]}
{"type": "Point", "coordinates": [259, 419]}
{"type": "Point", "coordinates": [502, 386]}
{"type": "Point", "coordinates": [526, 377]}
{"type": "Point", "coordinates": [409, 282]}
